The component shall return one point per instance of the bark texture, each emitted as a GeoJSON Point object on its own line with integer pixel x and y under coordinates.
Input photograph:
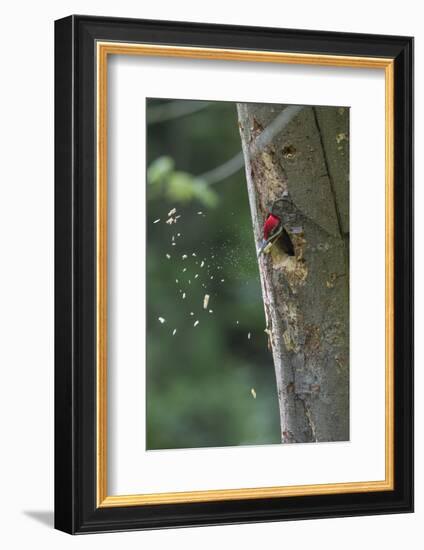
{"type": "Point", "coordinates": [305, 166]}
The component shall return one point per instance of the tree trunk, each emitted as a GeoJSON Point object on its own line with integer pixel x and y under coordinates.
{"type": "Point", "coordinates": [300, 157]}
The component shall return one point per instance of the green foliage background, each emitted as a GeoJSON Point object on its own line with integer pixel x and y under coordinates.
{"type": "Point", "coordinates": [199, 381]}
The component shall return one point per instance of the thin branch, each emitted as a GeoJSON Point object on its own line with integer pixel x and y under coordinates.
{"type": "Point", "coordinates": [236, 163]}
{"type": "Point", "coordinates": [174, 109]}
{"type": "Point", "coordinates": [275, 127]}
{"type": "Point", "coordinates": [225, 170]}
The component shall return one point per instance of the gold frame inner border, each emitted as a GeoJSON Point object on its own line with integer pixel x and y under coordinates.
{"type": "Point", "coordinates": [104, 49]}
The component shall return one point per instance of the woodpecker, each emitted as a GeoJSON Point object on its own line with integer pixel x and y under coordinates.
{"type": "Point", "coordinates": [273, 229]}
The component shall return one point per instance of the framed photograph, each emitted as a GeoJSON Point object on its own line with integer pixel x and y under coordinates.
{"type": "Point", "coordinates": [233, 270]}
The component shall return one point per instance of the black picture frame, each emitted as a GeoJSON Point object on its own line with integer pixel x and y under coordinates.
{"type": "Point", "coordinates": [76, 508]}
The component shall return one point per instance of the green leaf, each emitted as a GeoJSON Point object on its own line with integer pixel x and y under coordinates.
{"type": "Point", "coordinates": [160, 169]}
{"type": "Point", "coordinates": [180, 187]}
{"type": "Point", "coordinates": [183, 187]}
{"type": "Point", "coordinates": [203, 192]}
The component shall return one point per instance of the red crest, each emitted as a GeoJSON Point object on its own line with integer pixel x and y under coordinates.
{"type": "Point", "coordinates": [271, 224]}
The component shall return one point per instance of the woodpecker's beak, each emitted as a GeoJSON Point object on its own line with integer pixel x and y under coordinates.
{"type": "Point", "coordinates": [265, 247]}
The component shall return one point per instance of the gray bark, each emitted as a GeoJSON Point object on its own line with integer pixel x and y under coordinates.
{"type": "Point", "coordinates": [306, 296]}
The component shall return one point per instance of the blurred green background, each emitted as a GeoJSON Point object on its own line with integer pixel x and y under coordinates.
{"type": "Point", "coordinates": [212, 384]}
